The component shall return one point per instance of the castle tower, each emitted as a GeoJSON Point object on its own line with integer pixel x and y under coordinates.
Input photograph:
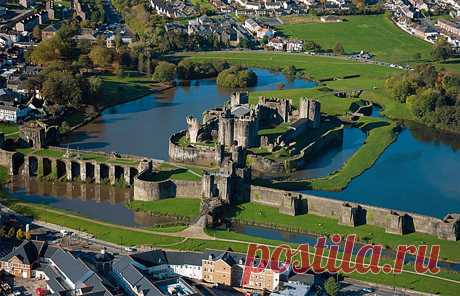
{"type": "Point", "coordinates": [238, 156]}
{"type": "Point", "coordinates": [246, 129]}
{"type": "Point", "coordinates": [310, 109]}
{"type": "Point", "coordinates": [226, 130]}
{"type": "Point", "coordinates": [207, 185]}
{"type": "Point", "coordinates": [239, 98]}
{"type": "Point", "coordinates": [303, 107]}
{"type": "Point", "coordinates": [314, 113]}
{"type": "Point", "coordinates": [193, 128]}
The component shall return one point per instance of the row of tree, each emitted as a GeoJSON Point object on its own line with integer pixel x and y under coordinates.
{"type": "Point", "coordinates": [19, 234]}
{"type": "Point", "coordinates": [433, 96]}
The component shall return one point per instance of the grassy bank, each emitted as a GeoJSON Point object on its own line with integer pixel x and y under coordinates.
{"type": "Point", "coordinates": [372, 33]}
{"type": "Point", "coordinates": [179, 207]}
{"type": "Point", "coordinates": [117, 90]}
{"type": "Point", "coordinates": [252, 213]}
{"type": "Point", "coordinates": [381, 134]}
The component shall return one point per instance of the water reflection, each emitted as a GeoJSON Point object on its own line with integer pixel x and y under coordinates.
{"type": "Point", "coordinates": [100, 202]}
{"type": "Point", "coordinates": [334, 157]}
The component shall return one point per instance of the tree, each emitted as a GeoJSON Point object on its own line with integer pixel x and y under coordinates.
{"type": "Point", "coordinates": [95, 84]}
{"type": "Point", "coordinates": [417, 56]}
{"type": "Point", "coordinates": [331, 286]}
{"type": "Point", "coordinates": [140, 63]}
{"type": "Point", "coordinates": [11, 232]}
{"type": "Point", "coordinates": [441, 50]}
{"type": "Point", "coordinates": [49, 50]}
{"type": "Point", "coordinates": [164, 72]}
{"type": "Point", "coordinates": [118, 41]}
{"type": "Point", "coordinates": [236, 77]}
{"type": "Point", "coordinates": [338, 49]}
{"type": "Point", "coordinates": [19, 234]}
{"type": "Point", "coordinates": [101, 55]}
{"type": "Point", "coordinates": [37, 33]}
{"type": "Point", "coordinates": [62, 87]}
{"type": "Point", "coordinates": [360, 5]}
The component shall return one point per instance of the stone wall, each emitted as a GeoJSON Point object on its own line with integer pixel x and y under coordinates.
{"type": "Point", "coordinates": [146, 190]}
{"type": "Point", "coordinates": [262, 165]}
{"type": "Point", "coordinates": [206, 156]}
{"type": "Point", "coordinates": [353, 214]}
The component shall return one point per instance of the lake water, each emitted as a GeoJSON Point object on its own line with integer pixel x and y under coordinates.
{"type": "Point", "coordinates": [143, 126]}
{"type": "Point", "coordinates": [417, 173]}
{"type": "Point", "coordinates": [333, 159]}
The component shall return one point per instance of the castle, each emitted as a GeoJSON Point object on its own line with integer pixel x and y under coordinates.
{"type": "Point", "coordinates": [238, 123]}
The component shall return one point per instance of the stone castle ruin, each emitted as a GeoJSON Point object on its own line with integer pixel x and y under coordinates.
{"type": "Point", "coordinates": [238, 123]}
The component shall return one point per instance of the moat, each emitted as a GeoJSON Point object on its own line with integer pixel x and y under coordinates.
{"type": "Point", "coordinates": [416, 173]}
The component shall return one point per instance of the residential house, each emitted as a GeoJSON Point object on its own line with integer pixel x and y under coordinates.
{"type": "Point", "coordinates": [11, 109]}
{"type": "Point", "coordinates": [449, 27]}
{"type": "Point", "coordinates": [294, 45]}
{"type": "Point", "coordinates": [64, 273]}
{"type": "Point", "coordinates": [330, 19]}
{"type": "Point", "coordinates": [277, 44]}
{"type": "Point", "coordinates": [251, 25]}
{"type": "Point", "coordinates": [24, 258]}
{"type": "Point", "coordinates": [27, 24]}
{"type": "Point", "coordinates": [49, 31]}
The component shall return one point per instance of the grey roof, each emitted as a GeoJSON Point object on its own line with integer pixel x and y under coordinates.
{"type": "Point", "coordinates": [228, 257]}
{"type": "Point", "coordinates": [74, 269]}
{"type": "Point", "coordinates": [241, 110]}
{"type": "Point", "coordinates": [150, 258]}
{"type": "Point", "coordinates": [123, 268]}
{"type": "Point", "coordinates": [77, 271]}
{"type": "Point", "coordinates": [49, 252]}
{"type": "Point", "coordinates": [181, 258]}
{"type": "Point", "coordinates": [28, 252]}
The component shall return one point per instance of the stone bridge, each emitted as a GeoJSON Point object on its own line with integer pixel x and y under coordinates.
{"type": "Point", "coordinates": [73, 168]}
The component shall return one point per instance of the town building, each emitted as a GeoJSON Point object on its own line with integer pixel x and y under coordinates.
{"type": "Point", "coordinates": [449, 27]}
{"type": "Point", "coordinates": [49, 31]}
{"type": "Point", "coordinates": [277, 44]}
{"type": "Point", "coordinates": [23, 259]}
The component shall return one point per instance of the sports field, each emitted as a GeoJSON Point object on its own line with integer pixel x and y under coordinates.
{"type": "Point", "coordinates": [375, 34]}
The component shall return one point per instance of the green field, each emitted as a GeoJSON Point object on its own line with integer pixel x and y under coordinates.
{"type": "Point", "coordinates": [315, 67]}
{"type": "Point", "coordinates": [116, 90]}
{"type": "Point", "coordinates": [179, 207]}
{"type": "Point", "coordinates": [375, 34]}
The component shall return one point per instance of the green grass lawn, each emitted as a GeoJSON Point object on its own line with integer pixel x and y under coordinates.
{"type": "Point", "coordinates": [180, 172]}
{"type": "Point", "coordinates": [9, 128]}
{"type": "Point", "coordinates": [181, 207]}
{"type": "Point", "coordinates": [316, 67]}
{"type": "Point", "coordinates": [373, 33]}
{"type": "Point", "coordinates": [116, 90]}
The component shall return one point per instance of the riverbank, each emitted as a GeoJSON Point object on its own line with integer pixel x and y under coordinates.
{"type": "Point", "coordinates": [115, 90]}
